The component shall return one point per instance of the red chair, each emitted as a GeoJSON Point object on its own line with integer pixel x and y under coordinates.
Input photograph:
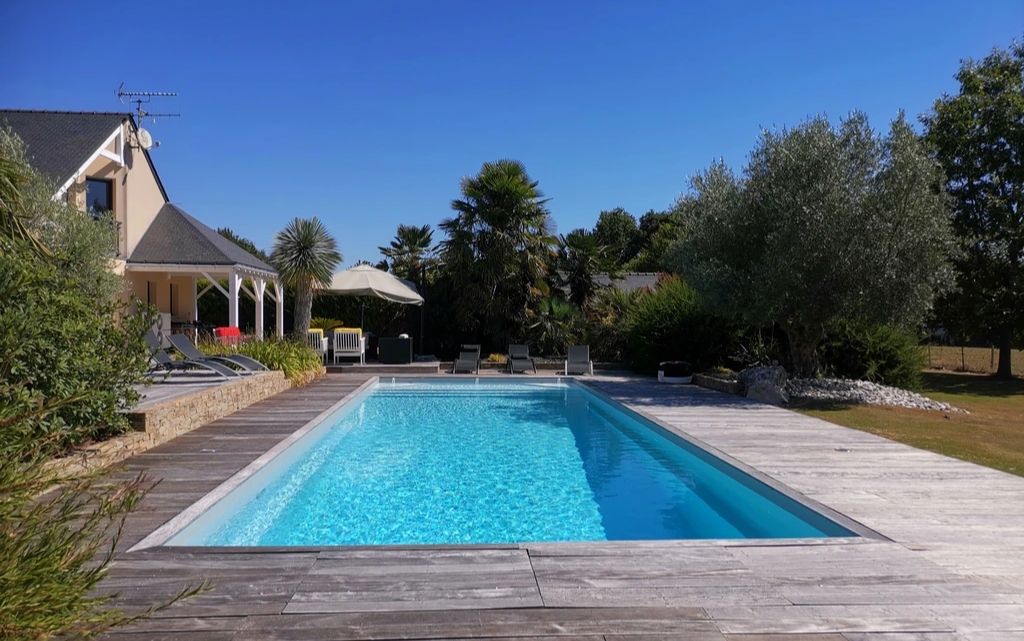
{"type": "Point", "coordinates": [228, 335]}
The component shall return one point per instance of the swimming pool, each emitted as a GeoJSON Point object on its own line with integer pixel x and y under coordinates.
{"type": "Point", "coordinates": [459, 461]}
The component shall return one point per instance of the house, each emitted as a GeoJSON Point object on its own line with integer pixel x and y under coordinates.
{"type": "Point", "coordinates": [97, 164]}
{"type": "Point", "coordinates": [629, 282]}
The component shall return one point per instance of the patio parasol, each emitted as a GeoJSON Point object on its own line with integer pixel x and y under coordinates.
{"type": "Point", "coordinates": [366, 280]}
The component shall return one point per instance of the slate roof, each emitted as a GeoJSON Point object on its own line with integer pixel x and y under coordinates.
{"type": "Point", "coordinates": [176, 238]}
{"type": "Point", "coordinates": [630, 281]}
{"type": "Point", "coordinates": [59, 142]}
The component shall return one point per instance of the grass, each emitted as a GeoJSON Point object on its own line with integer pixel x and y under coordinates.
{"type": "Point", "coordinates": [982, 360]}
{"type": "Point", "coordinates": [992, 434]}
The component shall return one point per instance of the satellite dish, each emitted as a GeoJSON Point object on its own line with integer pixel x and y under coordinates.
{"type": "Point", "coordinates": [144, 138]}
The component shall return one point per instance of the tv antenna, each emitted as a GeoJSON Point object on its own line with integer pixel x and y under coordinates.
{"type": "Point", "coordinates": [140, 98]}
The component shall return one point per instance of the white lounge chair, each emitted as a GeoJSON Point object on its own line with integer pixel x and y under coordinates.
{"type": "Point", "coordinates": [349, 343]}
{"type": "Point", "coordinates": [578, 360]}
{"type": "Point", "coordinates": [317, 342]}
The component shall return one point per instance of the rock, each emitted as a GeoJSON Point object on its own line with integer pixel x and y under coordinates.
{"type": "Point", "coordinates": [773, 374]}
{"type": "Point", "coordinates": [765, 384]}
{"type": "Point", "coordinates": [766, 391]}
{"type": "Point", "coordinates": [839, 390]}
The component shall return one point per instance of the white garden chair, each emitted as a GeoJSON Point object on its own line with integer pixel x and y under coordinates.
{"type": "Point", "coordinates": [349, 343]}
{"type": "Point", "coordinates": [317, 342]}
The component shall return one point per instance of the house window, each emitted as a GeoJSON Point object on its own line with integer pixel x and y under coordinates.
{"type": "Point", "coordinates": [99, 196]}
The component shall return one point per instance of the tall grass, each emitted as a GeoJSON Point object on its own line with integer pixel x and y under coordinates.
{"type": "Point", "coordinates": [296, 359]}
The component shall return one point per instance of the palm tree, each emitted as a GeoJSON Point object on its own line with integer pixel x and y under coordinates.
{"type": "Point", "coordinates": [497, 251]}
{"type": "Point", "coordinates": [556, 326]}
{"type": "Point", "coordinates": [580, 259]}
{"type": "Point", "coordinates": [410, 254]}
{"type": "Point", "coordinates": [305, 254]}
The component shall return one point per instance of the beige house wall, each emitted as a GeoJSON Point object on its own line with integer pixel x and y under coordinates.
{"type": "Point", "coordinates": [155, 287]}
{"type": "Point", "coordinates": [137, 195]}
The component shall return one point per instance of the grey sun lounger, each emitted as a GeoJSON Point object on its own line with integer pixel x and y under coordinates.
{"type": "Point", "coordinates": [468, 361]}
{"type": "Point", "coordinates": [578, 361]}
{"type": "Point", "coordinates": [162, 361]}
{"type": "Point", "coordinates": [189, 350]}
{"type": "Point", "coordinates": [519, 359]}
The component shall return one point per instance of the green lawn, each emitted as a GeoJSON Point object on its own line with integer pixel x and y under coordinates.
{"type": "Point", "coordinates": [991, 434]}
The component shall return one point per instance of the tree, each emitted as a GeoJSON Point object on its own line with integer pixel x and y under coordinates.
{"type": "Point", "coordinates": [656, 233]}
{"type": "Point", "coordinates": [497, 251]}
{"type": "Point", "coordinates": [616, 229]}
{"type": "Point", "coordinates": [826, 224]}
{"type": "Point", "coordinates": [555, 326]}
{"type": "Point", "coordinates": [14, 175]}
{"type": "Point", "coordinates": [978, 137]}
{"type": "Point", "coordinates": [411, 254]}
{"type": "Point", "coordinates": [244, 243]}
{"type": "Point", "coordinates": [580, 259]}
{"type": "Point", "coordinates": [305, 255]}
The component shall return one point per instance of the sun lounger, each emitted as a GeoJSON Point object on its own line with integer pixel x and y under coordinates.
{"type": "Point", "coordinates": [578, 361]}
{"type": "Point", "coordinates": [519, 359]}
{"type": "Point", "coordinates": [189, 350]}
{"type": "Point", "coordinates": [162, 361]}
{"type": "Point", "coordinates": [468, 361]}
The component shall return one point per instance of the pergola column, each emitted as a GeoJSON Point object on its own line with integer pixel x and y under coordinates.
{"type": "Point", "coordinates": [279, 299]}
{"type": "Point", "coordinates": [195, 301]}
{"type": "Point", "coordinates": [259, 287]}
{"type": "Point", "coordinates": [234, 283]}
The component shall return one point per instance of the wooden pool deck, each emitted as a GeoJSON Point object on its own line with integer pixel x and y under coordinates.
{"type": "Point", "coordinates": [949, 568]}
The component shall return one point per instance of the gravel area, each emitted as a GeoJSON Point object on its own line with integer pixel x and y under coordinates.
{"type": "Point", "coordinates": [849, 391]}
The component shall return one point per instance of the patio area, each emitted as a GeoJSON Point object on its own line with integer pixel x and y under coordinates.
{"type": "Point", "coordinates": [948, 564]}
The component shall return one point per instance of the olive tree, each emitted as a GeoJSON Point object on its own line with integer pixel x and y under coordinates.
{"type": "Point", "coordinates": [825, 223]}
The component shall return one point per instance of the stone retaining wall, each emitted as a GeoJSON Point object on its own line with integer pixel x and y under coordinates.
{"type": "Point", "coordinates": [718, 384]}
{"type": "Point", "coordinates": [162, 421]}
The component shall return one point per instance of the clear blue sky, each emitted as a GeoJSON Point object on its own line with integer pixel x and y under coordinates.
{"type": "Point", "coordinates": [368, 113]}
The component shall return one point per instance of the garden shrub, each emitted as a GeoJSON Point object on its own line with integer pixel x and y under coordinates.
{"type": "Point", "coordinates": [70, 358]}
{"type": "Point", "coordinates": [296, 359]}
{"type": "Point", "coordinates": [60, 344]}
{"type": "Point", "coordinates": [877, 353]}
{"type": "Point", "coordinates": [606, 329]}
{"type": "Point", "coordinates": [670, 323]}
{"type": "Point", "coordinates": [322, 322]}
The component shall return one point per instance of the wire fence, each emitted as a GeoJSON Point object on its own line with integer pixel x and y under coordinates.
{"type": "Point", "coordinates": [981, 360]}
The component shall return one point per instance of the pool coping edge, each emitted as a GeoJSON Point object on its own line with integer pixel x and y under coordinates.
{"type": "Point", "coordinates": [158, 538]}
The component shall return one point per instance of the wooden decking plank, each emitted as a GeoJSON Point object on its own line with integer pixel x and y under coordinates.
{"type": "Point", "coordinates": [952, 571]}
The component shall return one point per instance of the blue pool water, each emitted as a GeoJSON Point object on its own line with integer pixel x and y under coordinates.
{"type": "Point", "coordinates": [494, 462]}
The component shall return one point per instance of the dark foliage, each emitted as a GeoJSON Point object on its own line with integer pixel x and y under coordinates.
{"type": "Point", "coordinates": [670, 323]}
{"type": "Point", "coordinates": [879, 353]}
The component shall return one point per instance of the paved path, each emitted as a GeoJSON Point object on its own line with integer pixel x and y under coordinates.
{"type": "Point", "coordinates": [952, 569]}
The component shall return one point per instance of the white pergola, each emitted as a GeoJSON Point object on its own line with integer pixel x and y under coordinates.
{"type": "Point", "coordinates": [236, 275]}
